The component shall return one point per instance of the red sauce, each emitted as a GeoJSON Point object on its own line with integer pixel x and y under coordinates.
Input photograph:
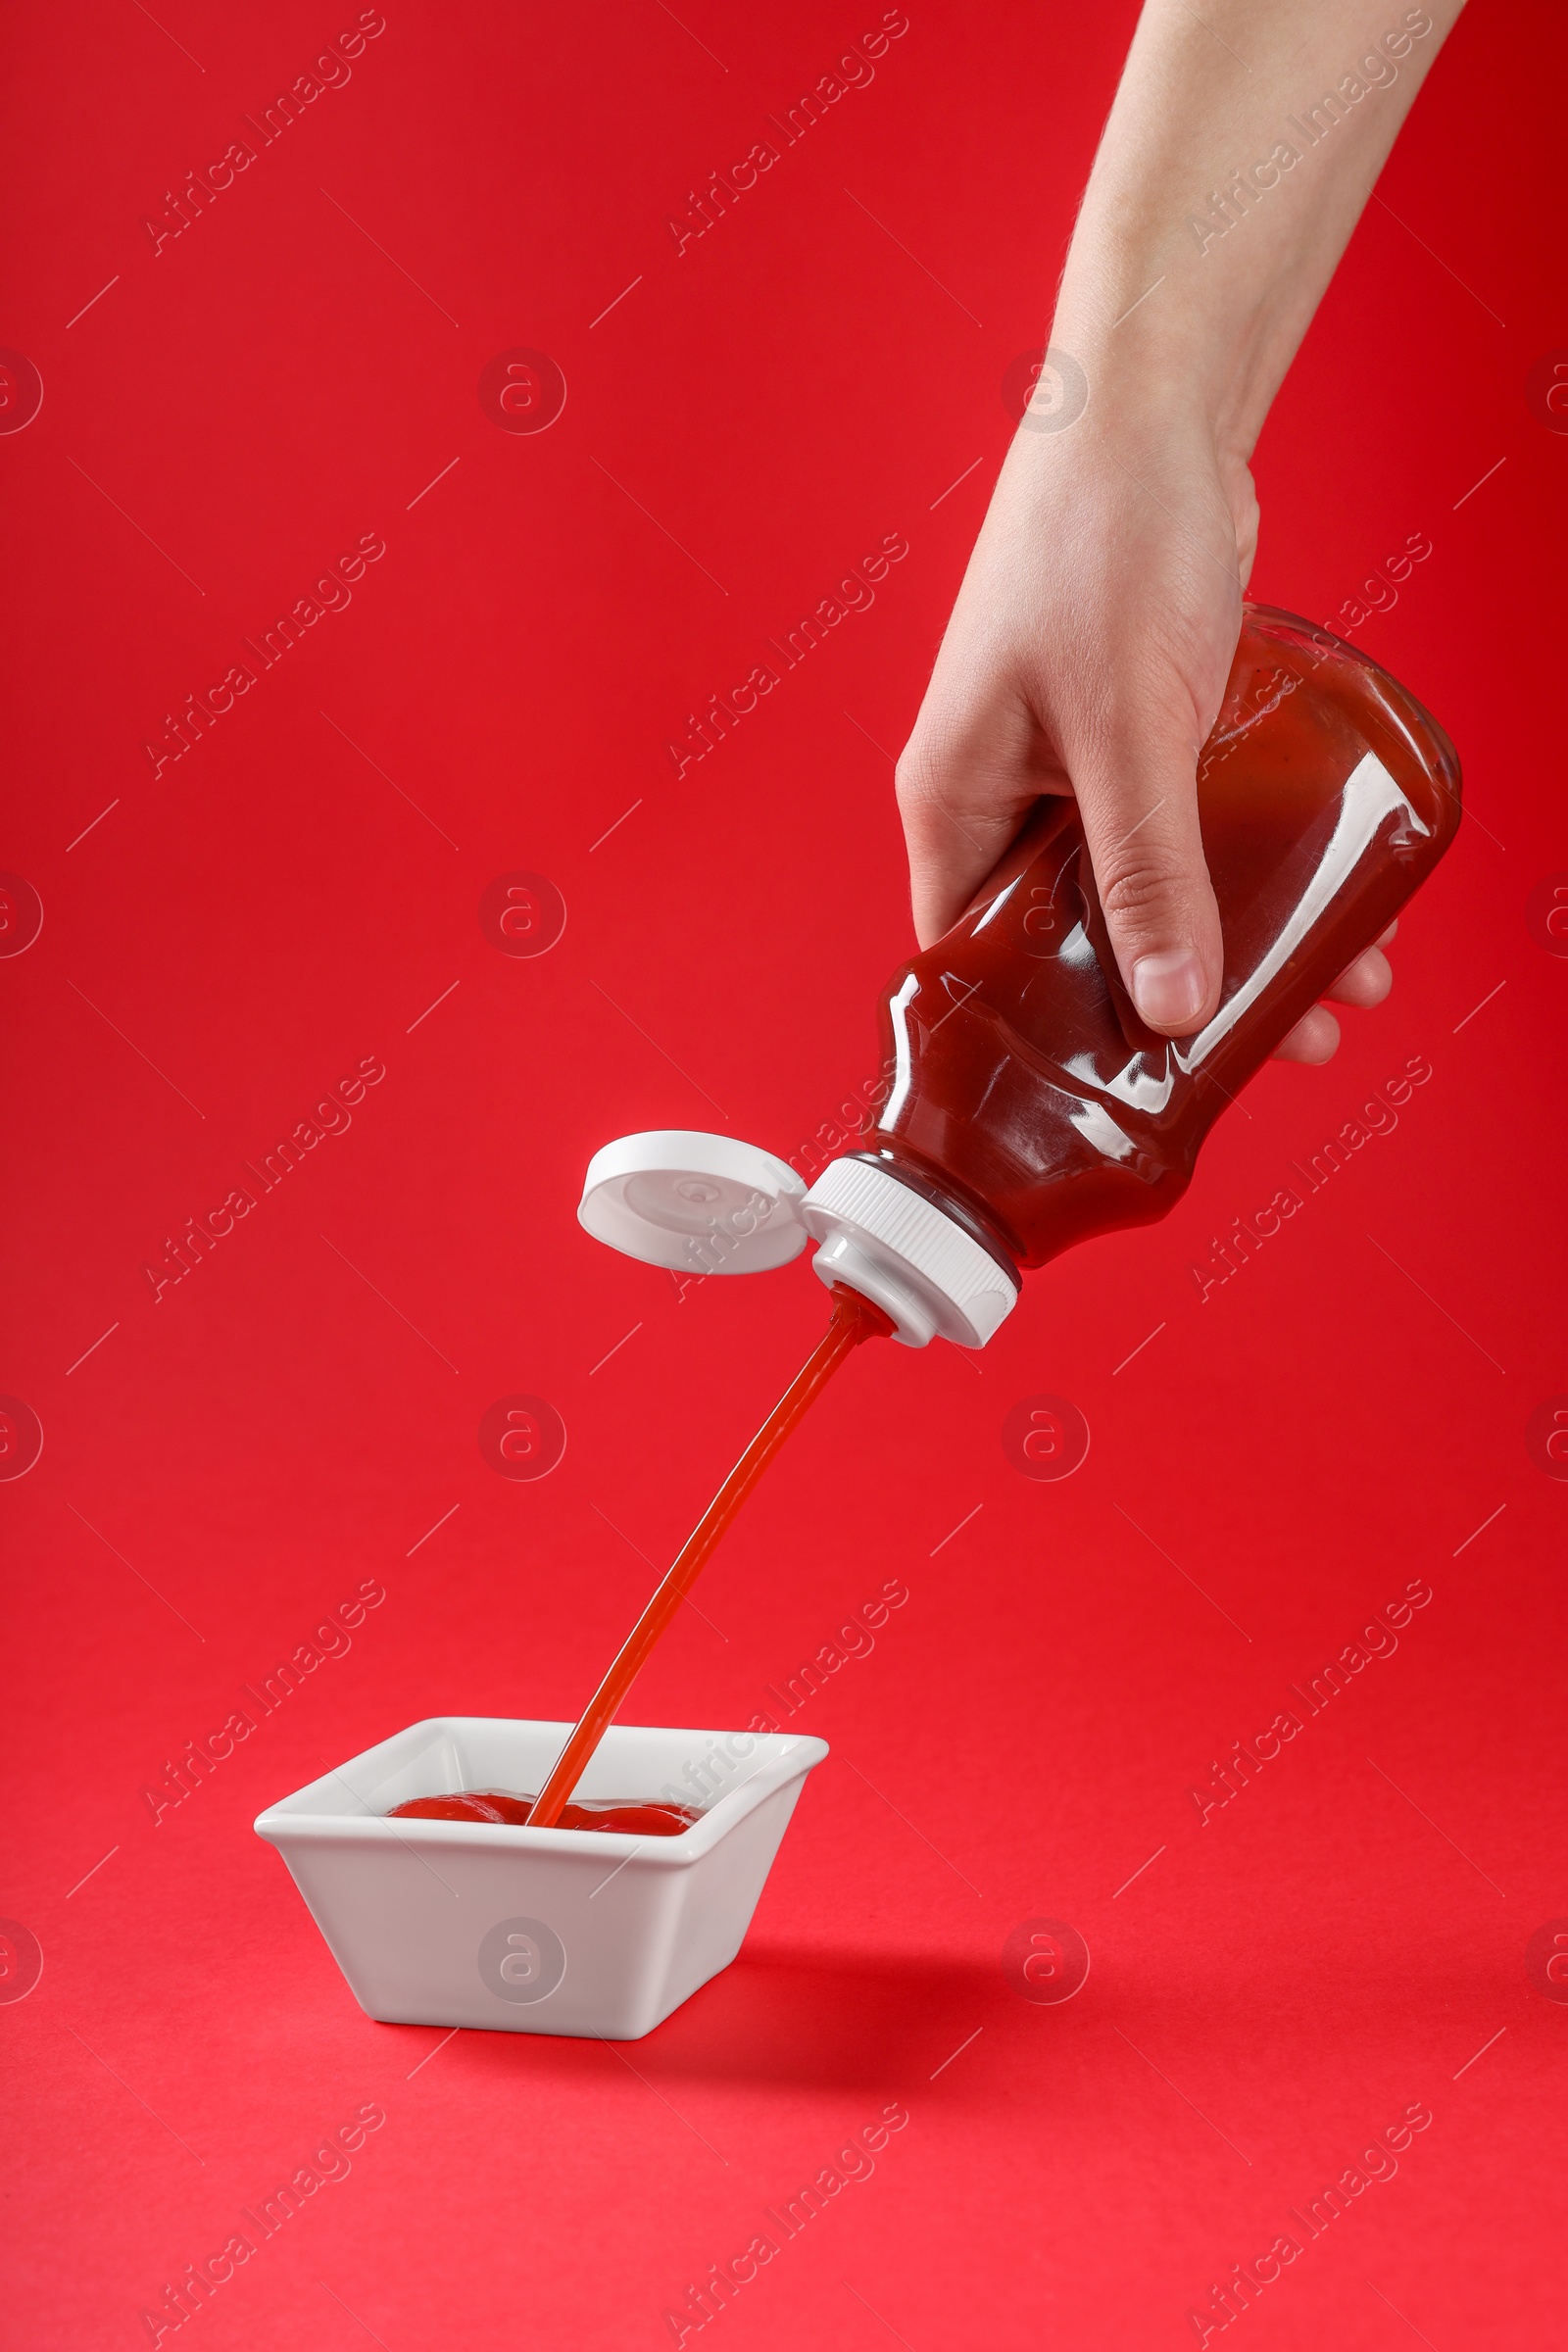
{"type": "Point", "coordinates": [622, 1817]}
{"type": "Point", "coordinates": [853, 1319]}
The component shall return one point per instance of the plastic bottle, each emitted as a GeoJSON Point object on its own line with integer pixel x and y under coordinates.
{"type": "Point", "coordinates": [1029, 1107]}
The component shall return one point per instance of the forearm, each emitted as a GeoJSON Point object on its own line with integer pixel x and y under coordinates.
{"type": "Point", "coordinates": [1092, 637]}
{"type": "Point", "coordinates": [1236, 158]}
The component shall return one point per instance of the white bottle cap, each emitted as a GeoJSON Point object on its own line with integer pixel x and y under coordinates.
{"type": "Point", "coordinates": [708, 1204]}
{"type": "Point", "coordinates": [700, 1204]}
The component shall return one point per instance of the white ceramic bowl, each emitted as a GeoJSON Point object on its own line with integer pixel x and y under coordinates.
{"type": "Point", "coordinates": [458, 1922]}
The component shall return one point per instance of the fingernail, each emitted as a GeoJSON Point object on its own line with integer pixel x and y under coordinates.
{"type": "Point", "coordinates": [1169, 989]}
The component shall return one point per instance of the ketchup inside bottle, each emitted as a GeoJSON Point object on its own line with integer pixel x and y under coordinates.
{"type": "Point", "coordinates": [1029, 1102]}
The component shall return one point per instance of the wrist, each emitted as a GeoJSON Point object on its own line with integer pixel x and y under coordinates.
{"type": "Point", "coordinates": [1168, 408]}
{"type": "Point", "coordinates": [1162, 347]}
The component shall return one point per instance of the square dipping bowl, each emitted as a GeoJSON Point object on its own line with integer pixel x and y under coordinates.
{"type": "Point", "coordinates": [466, 1923]}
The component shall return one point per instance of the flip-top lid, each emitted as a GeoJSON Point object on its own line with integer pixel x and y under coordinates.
{"type": "Point", "coordinates": [700, 1203]}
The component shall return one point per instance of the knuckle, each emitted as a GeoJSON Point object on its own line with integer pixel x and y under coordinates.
{"type": "Point", "coordinates": [1138, 893]}
{"type": "Point", "coordinates": [917, 777]}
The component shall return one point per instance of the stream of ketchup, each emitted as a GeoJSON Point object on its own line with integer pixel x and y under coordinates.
{"type": "Point", "coordinates": [853, 1319]}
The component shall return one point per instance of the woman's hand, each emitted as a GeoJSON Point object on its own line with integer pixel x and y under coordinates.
{"type": "Point", "coordinates": [1088, 653]}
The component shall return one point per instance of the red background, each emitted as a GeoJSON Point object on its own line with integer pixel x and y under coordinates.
{"type": "Point", "coordinates": [230, 415]}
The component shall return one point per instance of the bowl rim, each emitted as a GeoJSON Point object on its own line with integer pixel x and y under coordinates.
{"type": "Point", "coordinates": [780, 1758]}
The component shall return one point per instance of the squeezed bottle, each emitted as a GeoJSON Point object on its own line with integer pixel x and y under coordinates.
{"type": "Point", "coordinates": [1030, 1107]}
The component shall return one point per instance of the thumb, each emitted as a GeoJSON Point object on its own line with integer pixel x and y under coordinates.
{"type": "Point", "coordinates": [1137, 798]}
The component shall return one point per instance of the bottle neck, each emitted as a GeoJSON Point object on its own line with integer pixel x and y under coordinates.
{"type": "Point", "coordinates": [895, 1159]}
